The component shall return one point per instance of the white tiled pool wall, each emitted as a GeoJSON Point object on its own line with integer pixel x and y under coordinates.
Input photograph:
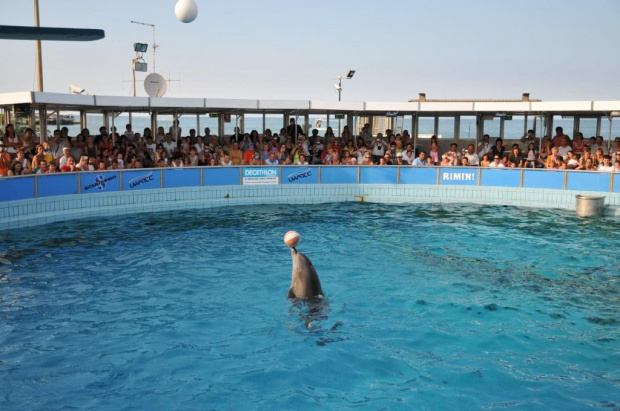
{"type": "Point", "coordinates": [27, 213]}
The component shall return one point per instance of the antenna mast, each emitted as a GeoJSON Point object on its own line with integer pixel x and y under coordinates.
{"type": "Point", "coordinates": [155, 45]}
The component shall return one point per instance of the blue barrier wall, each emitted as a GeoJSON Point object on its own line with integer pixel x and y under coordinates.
{"type": "Point", "coordinates": [381, 175]}
{"type": "Point", "coordinates": [37, 186]}
{"type": "Point", "coordinates": [588, 180]}
{"type": "Point", "coordinates": [553, 180]}
{"type": "Point", "coordinates": [227, 176]}
{"type": "Point", "coordinates": [181, 177]}
{"type": "Point", "coordinates": [418, 175]}
{"type": "Point", "coordinates": [498, 177]}
{"type": "Point", "coordinates": [339, 175]}
{"type": "Point", "coordinates": [16, 188]}
{"type": "Point", "coordinates": [57, 185]}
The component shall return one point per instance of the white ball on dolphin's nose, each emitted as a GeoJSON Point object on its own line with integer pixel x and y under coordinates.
{"type": "Point", "coordinates": [291, 238]}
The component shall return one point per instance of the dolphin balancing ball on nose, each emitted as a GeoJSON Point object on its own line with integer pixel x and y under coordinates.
{"type": "Point", "coordinates": [291, 238]}
{"type": "Point", "coordinates": [305, 281]}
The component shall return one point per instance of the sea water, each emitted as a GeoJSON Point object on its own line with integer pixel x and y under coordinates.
{"type": "Point", "coordinates": [426, 307]}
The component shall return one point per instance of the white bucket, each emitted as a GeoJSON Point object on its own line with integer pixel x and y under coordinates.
{"type": "Point", "coordinates": [590, 206]}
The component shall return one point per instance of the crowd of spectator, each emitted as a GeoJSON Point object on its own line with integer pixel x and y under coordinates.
{"type": "Point", "coordinates": [130, 150]}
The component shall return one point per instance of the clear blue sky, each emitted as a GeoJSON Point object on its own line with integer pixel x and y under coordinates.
{"type": "Point", "coordinates": [276, 49]}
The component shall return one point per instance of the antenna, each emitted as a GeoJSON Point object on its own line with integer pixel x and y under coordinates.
{"type": "Point", "coordinates": [155, 85]}
{"type": "Point", "coordinates": [155, 45]}
{"type": "Point", "coordinates": [170, 79]}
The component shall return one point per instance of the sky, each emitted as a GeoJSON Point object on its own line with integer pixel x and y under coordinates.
{"type": "Point", "coordinates": [293, 50]}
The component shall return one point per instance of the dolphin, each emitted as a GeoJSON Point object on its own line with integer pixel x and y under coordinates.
{"type": "Point", "coordinates": [305, 282]}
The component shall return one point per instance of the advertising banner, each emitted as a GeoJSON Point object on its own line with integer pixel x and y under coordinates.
{"type": "Point", "coordinates": [459, 176]}
{"type": "Point", "coordinates": [100, 182]}
{"type": "Point", "coordinates": [300, 175]}
{"type": "Point", "coordinates": [260, 175]}
{"type": "Point", "coordinates": [140, 180]}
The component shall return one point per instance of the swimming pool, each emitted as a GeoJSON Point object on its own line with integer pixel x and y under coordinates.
{"type": "Point", "coordinates": [428, 306]}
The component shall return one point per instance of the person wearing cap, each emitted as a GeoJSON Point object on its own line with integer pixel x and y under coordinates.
{"type": "Point", "coordinates": [66, 154]}
{"type": "Point", "coordinates": [399, 159]}
{"type": "Point", "coordinates": [5, 160]}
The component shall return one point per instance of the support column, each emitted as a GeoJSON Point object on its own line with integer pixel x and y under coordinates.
{"type": "Point", "coordinates": [43, 123]}
{"type": "Point", "coordinates": [154, 124]}
{"type": "Point", "coordinates": [220, 127]}
{"type": "Point", "coordinates": [501, 128]}
{"type": "Point", "coordinates": [350, 124]}
{"type": "Point", "coordinates": [38, 49]}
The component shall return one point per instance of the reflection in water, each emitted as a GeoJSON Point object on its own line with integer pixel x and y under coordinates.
{"type": "Point", "coordinates": [313, 313]}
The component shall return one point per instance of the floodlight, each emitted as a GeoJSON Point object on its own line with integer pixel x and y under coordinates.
{"type": "Point", "coordinates": [140, 47]}
{"type": "Point", "coordinates": [140, 66]}
{"type": "Point", "coordinates": [76, 90]}
{"type": "Point", "coordinates": [351, 74]}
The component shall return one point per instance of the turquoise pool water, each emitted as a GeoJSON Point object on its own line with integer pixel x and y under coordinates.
{"type": "Point", "coordinates": [428, 306]}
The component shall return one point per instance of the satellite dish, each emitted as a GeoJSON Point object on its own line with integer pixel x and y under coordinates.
{"type": "Point", "coordinates": [155, 85]}
{"type": "Point", "coordinates": [186, 10]}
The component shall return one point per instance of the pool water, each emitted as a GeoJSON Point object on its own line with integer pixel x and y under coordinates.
{"type": "Point", "coordinates": [427, 307]}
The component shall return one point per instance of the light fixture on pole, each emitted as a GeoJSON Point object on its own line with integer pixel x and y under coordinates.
{"type": "Point", "coordinates": [137, 63]}
{"type": "Point", "coordinates": [338, 86]}
{"type": "Point", "coordinates": [155, 45]}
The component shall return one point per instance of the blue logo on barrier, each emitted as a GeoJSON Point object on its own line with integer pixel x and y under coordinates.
{"type": "Point", "coordinates": [299, 175]}
{"type": "Point", "coordinates": [100, 183]}
{"type": "Point", "coordinates": [99, 180]}
{"type": "Point", "coordinates": [136, 181]}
